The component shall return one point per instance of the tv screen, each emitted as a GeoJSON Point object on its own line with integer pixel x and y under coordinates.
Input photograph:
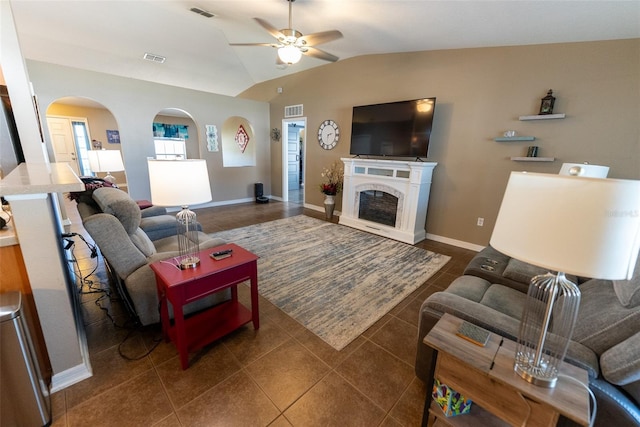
{"type": "Point", "coordinates": [398, 129]}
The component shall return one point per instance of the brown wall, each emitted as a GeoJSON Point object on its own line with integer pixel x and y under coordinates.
{"type": "Point", "coordinates": [480, 94]}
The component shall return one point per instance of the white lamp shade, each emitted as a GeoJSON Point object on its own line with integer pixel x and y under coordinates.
{"type": "Point", "coordinates": [584, 169]}
{"type": "Point", "coordinates": [179, 182]}
{"type": "Point", "coordinates": [105, 161]}
{"type": "Point", "coordinates": [583, 226]}
{"type": "Point", "coordinates": [289, 54]}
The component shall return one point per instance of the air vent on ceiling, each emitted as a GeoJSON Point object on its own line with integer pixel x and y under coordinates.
{"type": "Point", "coordinates": [154, 58]}
{"type": "Point", "coordinates": [293, 110]}
{"type": "Point", "coordinates": [202, 12]}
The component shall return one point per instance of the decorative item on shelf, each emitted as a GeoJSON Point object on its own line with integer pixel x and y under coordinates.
{"type": "Point", "coordinates": [106, 161]}
{"type": "Point", "coordinates": [587, 227]}
{"type": "Point", "coordinates": [546, 106]}
{"type": "Point", "coordinates": [332, 184]}
{"type": "Point", "coordinates": [181, 183]}
{"type": "Point", "coordinates": [510, 133]}
{"type": "Point", "coordinates": [275, 135]}
{"type": "Point", "coordinates": [532, 151]}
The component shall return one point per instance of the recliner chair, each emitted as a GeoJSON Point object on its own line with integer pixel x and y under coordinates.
{"type": "Point", "coordinates": [113, 222]}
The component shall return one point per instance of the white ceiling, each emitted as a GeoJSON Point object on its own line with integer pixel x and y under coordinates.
{"type": "Point", "coordinates": [112, 36]}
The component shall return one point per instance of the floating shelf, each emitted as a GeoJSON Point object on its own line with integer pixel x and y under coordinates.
{"type": "Point", "coordinates": [533, 159]}
{"type": "Point", "coordinates": [515, 138]}
{"type": "Point", "coordinates": [543, 117]}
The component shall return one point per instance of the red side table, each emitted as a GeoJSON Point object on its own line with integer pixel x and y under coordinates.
{"type": "Point", "coordinates": [180, 287]}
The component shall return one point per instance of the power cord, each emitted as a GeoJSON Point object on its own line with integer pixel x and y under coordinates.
{"type": "Point", "coordinates": [132, 325]}
{"type": "Point", "coordinates": [83, 279]}
{"type": "Point", "coordinates": [592, 397]}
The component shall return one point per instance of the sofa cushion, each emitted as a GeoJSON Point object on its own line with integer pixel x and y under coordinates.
{"type": "Point", "coordinates": [118, 203]}
{"type": "Point", "coordinates": [142, 242]}
{"type": "Point", "coordinates": [505, 300]}
{"type": "Point", "coordinates": [524, 272]}
{"type": "Point", "coordinates": [621, 363]}
{"type": "Point", "coordinates": [469, 287]}
{"type": "Point", "coordinates": [628, 291]}
{"type": "Point", "coordinates": [602, 321]}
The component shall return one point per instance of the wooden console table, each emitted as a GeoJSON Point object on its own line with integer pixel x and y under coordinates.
{"type": "Point", "coordinates": [180, 287]}
{"type": "Point", "coordinates": [500, 396]}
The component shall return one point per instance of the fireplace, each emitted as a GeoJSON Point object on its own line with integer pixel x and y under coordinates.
{"type": "Point", "coordinates": [378, 206]}
{"type": "Point", "coordinates": [387, 197]}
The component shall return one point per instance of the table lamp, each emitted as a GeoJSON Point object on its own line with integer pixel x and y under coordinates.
{"type": "Point", "coordinates": [181, 183]}
{"type": "Point", "coordinates": [106, 161]}
{"type": "Point", "coordinates": [587, 227]}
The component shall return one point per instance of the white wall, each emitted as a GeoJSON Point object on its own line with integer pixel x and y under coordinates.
{"type": "Point", "coordinates": [135, 104]}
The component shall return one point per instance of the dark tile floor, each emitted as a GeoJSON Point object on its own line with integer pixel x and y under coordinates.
{"type": "Point", "coordinates": [280, 375]}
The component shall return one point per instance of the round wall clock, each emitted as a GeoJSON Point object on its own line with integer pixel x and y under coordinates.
{"type": "Point", "coordinates": [328, 134]}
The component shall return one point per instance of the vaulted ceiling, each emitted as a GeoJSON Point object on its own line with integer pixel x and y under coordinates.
{"type": "Point", "coordinates": [113, 36]}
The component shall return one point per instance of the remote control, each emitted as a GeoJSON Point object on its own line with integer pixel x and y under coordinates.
{"type": "Point", "coordinates": [225, 252]}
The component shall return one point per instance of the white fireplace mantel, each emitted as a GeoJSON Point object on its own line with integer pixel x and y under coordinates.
{"type": "Point", "coordinates": [409, 181]}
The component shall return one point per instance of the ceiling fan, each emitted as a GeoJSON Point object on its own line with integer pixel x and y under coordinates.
{"type": "Point", "coordinates": [292, 44]}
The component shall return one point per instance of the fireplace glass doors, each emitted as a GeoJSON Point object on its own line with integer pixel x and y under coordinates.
{"type": "Point", "coordinates": [378, 206]}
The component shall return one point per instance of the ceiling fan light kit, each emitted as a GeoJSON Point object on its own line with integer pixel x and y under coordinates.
{"type": "Point", "coordinates": [289, 54]}
{"type": "Point", "coordinates": [292, 44]}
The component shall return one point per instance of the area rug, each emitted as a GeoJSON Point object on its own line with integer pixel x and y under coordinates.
{"type": "Point", "coordinates": [335, 280]}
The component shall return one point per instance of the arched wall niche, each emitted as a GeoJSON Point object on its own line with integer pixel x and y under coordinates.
{"type": "Point", "coordinates": [73, 126]}
{"type": "Point", "coordinates": [176, 123]}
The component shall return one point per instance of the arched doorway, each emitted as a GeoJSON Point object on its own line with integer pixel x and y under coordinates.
{"type": "Point", "coordinates": [78, 125]}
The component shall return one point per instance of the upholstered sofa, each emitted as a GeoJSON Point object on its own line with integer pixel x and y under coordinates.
{"type": "Point", "coordinates": [605, 342]}
{"type": "Point", "coordinates": [113, 220]}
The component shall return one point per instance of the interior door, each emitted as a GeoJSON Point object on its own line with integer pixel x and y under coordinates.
{"type": "Point", "coordinates": [64, 146]}
{"type": "Point", "coordinates": [293, 157]}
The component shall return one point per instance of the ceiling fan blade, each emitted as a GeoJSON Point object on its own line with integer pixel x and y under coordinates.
{"type": "Point", "coordinates": [255, 44]}
{"type": "Point", "coordinates": [319, 38]}
{"type": "Point", "coordinates": [270, 28]}
{"type": "Point", "coordinates": [320, 54]}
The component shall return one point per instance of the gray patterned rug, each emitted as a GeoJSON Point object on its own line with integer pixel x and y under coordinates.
{"type": "Point", "coordinates": [335, 280]}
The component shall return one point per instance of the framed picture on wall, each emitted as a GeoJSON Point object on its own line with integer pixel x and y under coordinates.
{"type": "Point", "coordinates": [113, 137]}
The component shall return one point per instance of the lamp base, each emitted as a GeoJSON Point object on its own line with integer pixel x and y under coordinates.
{"type": "Point", "coordinates": [110, 178]}
{"type": "Point", "coordinates": [189, 262]}
{"type": "Point", "coordinates": [534, 374]}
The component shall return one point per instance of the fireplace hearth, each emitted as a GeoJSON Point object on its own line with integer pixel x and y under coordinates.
{"type": "Point", "coordinates": [387, 197]}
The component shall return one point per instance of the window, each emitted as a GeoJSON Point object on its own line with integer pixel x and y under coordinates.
{"type": "Point", "coordinates": [170, 148]}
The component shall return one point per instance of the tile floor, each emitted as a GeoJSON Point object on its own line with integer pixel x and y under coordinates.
{"type": "Point", "coordinates": [280, 375]}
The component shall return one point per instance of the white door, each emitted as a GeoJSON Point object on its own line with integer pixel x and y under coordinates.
{"type": "Point", "coordinates": [64, 145]}
{"type": "Point", "coordinates": [293, 157]}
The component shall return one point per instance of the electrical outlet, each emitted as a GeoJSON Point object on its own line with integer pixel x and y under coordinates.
{"type": "Point", "coordinates": [480, 222]}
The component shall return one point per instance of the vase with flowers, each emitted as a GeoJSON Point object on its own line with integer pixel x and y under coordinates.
{"type": "Point", "coordinates": [332, 180]}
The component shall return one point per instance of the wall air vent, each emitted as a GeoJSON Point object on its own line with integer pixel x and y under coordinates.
{"type": "Point", "coordinates": [202, 12]}
{"type": "Point", "coordinates": [293, 111]}
{"type": "Point", "coordinates": [154, 58]}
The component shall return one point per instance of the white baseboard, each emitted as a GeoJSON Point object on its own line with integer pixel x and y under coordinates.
{"type": "Point", "coordinates": [441, 239]}
{"type": "Point", "coordinates": [454, 242]}
{"type": "Point", "coordinates": [70, 376]}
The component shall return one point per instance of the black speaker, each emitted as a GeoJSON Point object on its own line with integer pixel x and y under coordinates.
{"type": "Point", "coordinates": [259, 192]}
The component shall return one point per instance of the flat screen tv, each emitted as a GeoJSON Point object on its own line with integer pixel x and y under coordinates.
{"type": "Point", "coordinates": [396, 129]}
